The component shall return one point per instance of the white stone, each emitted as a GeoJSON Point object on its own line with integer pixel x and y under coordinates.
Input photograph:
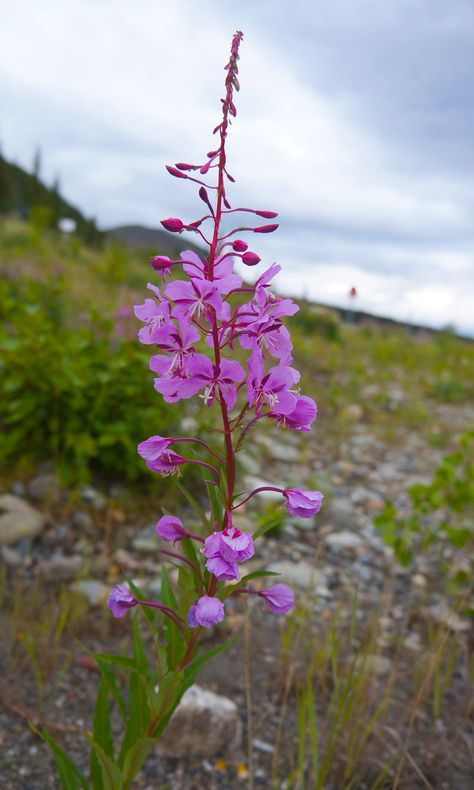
{"type": "Point", "coordinates": [299, 574]}
{"type": "Point", "coordinates": [95, 591]}
{"type": "Point", "coordinates": [255, 482]}
{"type": "Point", "coordinates": [204, 724]}
{"type": "Point", "coordinates": [344, 540]}
{"type": "Point", "coordinates": [18, 520]}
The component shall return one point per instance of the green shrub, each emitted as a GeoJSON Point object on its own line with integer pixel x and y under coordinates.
{"type": "Point", "coordinates": [72, 389]}
{"type": "Point", "coordinates": [442, 511]}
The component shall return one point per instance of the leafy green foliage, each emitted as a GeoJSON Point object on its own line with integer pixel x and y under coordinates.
{"type": "Point", "coordinates": [71, 388]}
{"type": "Point", "coordinates": [441, 511]}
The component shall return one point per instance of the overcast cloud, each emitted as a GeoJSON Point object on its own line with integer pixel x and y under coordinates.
{"type": "Point", "coordinates": [355, 121]}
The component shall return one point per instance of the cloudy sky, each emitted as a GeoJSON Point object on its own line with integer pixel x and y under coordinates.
{"type": "Point", "coordinates": [355, 121]}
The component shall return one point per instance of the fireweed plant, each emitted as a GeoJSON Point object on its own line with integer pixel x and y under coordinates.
{"type": "Point", "coordinates": [208, 310]}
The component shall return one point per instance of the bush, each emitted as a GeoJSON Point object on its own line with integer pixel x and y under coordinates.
{"type": "Point", "coordinates": [72, 389]}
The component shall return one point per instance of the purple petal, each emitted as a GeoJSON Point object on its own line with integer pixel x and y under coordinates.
{"type": "Point", "coordinates": [120, 601]}
{"type": "Point", "coordinates": [171, 528]}
{"type": "Point", "coordinates": [206, 612]}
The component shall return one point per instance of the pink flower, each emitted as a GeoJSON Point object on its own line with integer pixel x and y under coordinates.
{"type": "Point", "coordinates": [216, 379]}
{"type": "Point", "coordinates": [224, 278]}
{"type": "Point", "coordinates": [193, 299]}
{"type": "Point", "coordinates": [303, 503]}
{"type": "Point", "coordinates": [167, 464]}
{"type": "Point", "coordinates": [154, 447]}
{"type": "Point", "coordinates": [171, 528]}
{"type": "Point", "coordinates": [179, 347]}
{"type": "Point", "coordinates": [207, 611]}
{"type": "Point", "coordinates": [279, 598]}
{"type": "Point", "coordinates": [221, 559]}
{"type": "Point", "coordinates": [156, 316]}
{"type": "Point", "coordinates": [120, 601]}
{"type": "Point", "coordinates": [225, 549]}
{"type": "Point", "coordinates": [239, 541]}
{"type": "Point", "coordinates": [272, 389]}
{"type": "Point", "coordinates": [301, 417]}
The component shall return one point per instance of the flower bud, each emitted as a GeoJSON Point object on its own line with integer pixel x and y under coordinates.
{"type": "Point", "coordinates": [239, 245]}
{"type": "Point", "coordinates": [265, 229]}
{"type": "Point", "coordinates": [173, 224]}
{"type": "Point", "coordinates": [161, 263]}
{"type": "Point", "coordinates": [185, 166]}
{"type": "Point", "coordinates": [204, 169]}
{"type": "Point", "coordinates": [267, 214]}
{"type": "Point", "coordinates": [203, 195]}
{"type": "Point", "coordinates": [173, 171]}
{"type": "Point", "coordinates": [250, 258]}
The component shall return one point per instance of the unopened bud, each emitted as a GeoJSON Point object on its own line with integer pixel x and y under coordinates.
{"type": "Point", "coordinates": [173, 171]}
{"type": "Point", "coordinates": [250, 258]}
{"type": "Point", "coordinates": [204, 169]}
{"type": "Point", "coordinates": [173, 224]}
{"type": "Point", "coordinates": [161, 263]}
{"type": "Point", "coordinates": [185, 166]}
{"type": "Point", "coordinates": [267, 214]}
{"type": "Point", "coordinates": [265, 229]}
{"type": "Point", "coordinates": [239, 245]}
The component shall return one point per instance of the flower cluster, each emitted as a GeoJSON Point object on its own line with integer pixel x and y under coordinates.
{"type": "Point", "coordinates": [214, 337]}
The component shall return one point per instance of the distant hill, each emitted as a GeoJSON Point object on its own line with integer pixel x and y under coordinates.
{"type": "Point", "coordinates": [150, 239]}
{"type": "Point", "coordinates": [24, 195]}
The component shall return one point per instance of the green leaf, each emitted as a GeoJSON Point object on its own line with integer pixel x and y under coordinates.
{"type": "Point", "coordinates": [139, 713]}
{"type": "Point", "coordinates": [135, 758]}
{"type": "Point", "coordinates": [458, 537]}
{"type": "Point", "coordinates": [166, 592]}
{"type": "Point", "coordinates": [195, 506]}
{"type": "Point", "coordinates": [120, 661]}
{"type": "Point", "coordinates": [70, 777]}
{"type": "Point", "coordinates": [113, 686]}
{"type": "Point", "coordinates": [147, 611]}
{"type": "Point", "coordinates": [276, 522]}
{"type": "Point", "coordinates": [257, 575]}
{"type": "Point", "coordinates": [102, 732]}
{"type": "Point", "coordinates": [112, 777]}
{"type": "Point", "coordinates": [138, 647]}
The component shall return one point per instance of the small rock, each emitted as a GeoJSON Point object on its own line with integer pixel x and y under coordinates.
{"type": "Point", "coordinates": [379, 665]}
{"type": "Point", "coordinates": [344, 540]}
{"type": "Point", "coordinates": [145, 544]}
{"type": "Point", "coordinates": [204, 724]}
{"type": "Point", "coordinates": [248, 463]}
{"type": "Point", "coordinates": [418, 580]}
{"type": "Point", "coordinates": [95, 591]}
{"type": "Point", "coordinates": [442, 615]}
{"type": "Point", "coordinates": [97, 500]}
{"type": "Point", "coordinates": [278, 450]}
{"type": "Point", "coordinates": [44, 486]}
{"type": "Point", "coordinates": [340, 512]}
{"type": "Point", "coordinates": [10, 557]}
{"type": "Point", "coordinates": [18, 520]}
{"type": "Point", "coordinates": [353, 412]}
{"type": "Point", "coordinates": [60, 568]}
{"type": "Point", "coordinates": [18, 488]}
{"type": "Point", "coordinates": [127, 563]}
{"type": "Point", "coordinates": [299, 574]}
{"type": "Point", "coordinates": [263, 746]}
{"type": "Point", "coordinates": [83, 522]}
{"type": "Point", "coordinates": [255, 482]}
